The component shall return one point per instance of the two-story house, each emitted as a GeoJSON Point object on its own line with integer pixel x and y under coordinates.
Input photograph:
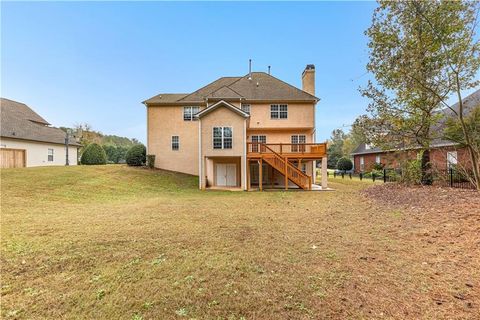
{"type": "Point", "coordinates": [254, 131]}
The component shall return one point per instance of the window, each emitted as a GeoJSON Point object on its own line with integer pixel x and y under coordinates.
{"type": "Point", "coordinates": [452, 159]}
{"type": "Point", "coordinates": [175, 143]}
{"type": "Point", "coordinates": [258, 139]}
{"type": "Point", "coordinates": [50, 155]}
{"type": "Point", "coordinates": [246, 108]}
{"type": "Point", "coordinates": [189, 113]}
{"type": "Point", "coordinates": [278, 111]}
{"type": "Point", "coordinates": [222, 137]}
{"type": "Point", "coordinates": [298, 141]}
{"type": "Point", "coordinates": [377, 159]}
{"type": "Point", "coordinates": [362, 163]}
{"type": "Point", "coordinates": [368, 146]}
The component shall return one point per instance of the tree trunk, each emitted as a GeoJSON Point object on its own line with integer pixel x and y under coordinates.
{"type": "Point", "coordinates": [426, 168]}
{"type": "Point", "coordinates": [466, 133]}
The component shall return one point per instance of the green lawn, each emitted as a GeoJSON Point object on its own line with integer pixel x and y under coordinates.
{"type": "Point", "coordinates": [112, 242]}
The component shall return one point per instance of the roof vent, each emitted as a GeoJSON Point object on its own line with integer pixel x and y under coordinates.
{"type": "Point", "coordinates": [249, 69]}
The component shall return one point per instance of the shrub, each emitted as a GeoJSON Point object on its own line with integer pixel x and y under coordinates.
{"type": "Point", "coordinates": [115, 154]}
{"type": "Point", "coordinates": [151, 161]}
{"type": "Point", "coordinates": [377, 166]}
{"type": "Point", "coordinates": [93, 154]}
{"type": "Point", "coordinates": [411, 172]}
{"type": "Point", "coordinates": [344, 164]}
{"type": "Point", "coordinates": [136, 155]}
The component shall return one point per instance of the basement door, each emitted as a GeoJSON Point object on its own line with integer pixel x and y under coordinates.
{"type": "Point", "coordinates": [226, 174]}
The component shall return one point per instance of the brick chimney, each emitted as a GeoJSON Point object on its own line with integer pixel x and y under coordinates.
{"type": "Point", "coordinates": [308, 79]}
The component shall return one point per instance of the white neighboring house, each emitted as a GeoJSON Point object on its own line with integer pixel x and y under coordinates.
{"type": "Point", "coordinates": [28, 140]}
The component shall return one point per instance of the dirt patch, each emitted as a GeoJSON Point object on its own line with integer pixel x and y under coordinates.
{"type": "Point", "coordinates": [423, 199]}
{"type": "Point", "coordinates": [439, 229]}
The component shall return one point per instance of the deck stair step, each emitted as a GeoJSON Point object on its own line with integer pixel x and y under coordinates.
{"type": "Point", "coordinates": [285, 167]}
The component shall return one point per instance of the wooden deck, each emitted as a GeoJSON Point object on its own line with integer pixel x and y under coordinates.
{"type": "Point", "coordinates": [308, 151]}
{"type": "Point", "coordinates": [279, 157]}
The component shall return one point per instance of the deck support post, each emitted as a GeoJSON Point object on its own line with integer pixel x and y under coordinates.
{"type": "Point", "coordinates": [272, 172]}
{"type": "Point", "coordinates": [286, 174]}
{"type": "Point", "coordinates": [248, 174]}
{"type": "Point", "coordinates": [203, 173]}
{"type": "Point", "coordinates": [260, 174]}
{"type": "Point", "coordinates": [324, 173]}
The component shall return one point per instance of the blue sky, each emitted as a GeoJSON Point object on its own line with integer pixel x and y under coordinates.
{"type": "Point", "coordinates": [95, 62]}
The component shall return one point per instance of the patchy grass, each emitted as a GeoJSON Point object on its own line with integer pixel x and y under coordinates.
{"type": "Point", "coordinates": [127, 243]}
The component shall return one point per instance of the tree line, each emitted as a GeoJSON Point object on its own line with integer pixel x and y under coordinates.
{"type": "Point", "coordinates": [422, 54]}
{"type": "Point", "coordinates": [115, 147]}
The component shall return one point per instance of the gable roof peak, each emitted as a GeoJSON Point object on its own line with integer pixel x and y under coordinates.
{"type": "Point", "coordinates": [222, 103]}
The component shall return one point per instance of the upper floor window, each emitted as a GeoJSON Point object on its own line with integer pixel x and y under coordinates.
{"type": "Point", "coordinates": [175, 143]}
{"type": "Point", "coordinates": [50, 154]}
{"type": "Point", "coordinates": [246, 108]}
{"type": "Point", "coordinates": [222, 137]}
{"type": "Point", "coordinates": [278, 111]}
{"type": "Point", "coordinates": [189, 113]}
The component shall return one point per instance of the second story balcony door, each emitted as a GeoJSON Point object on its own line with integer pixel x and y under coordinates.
{"type": "Point", "coordinates": [258, 139]}
{"type": "Point", "coordinates": [298, 143]}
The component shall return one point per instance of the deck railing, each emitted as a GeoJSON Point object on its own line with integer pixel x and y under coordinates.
{"type": "Point", "coordinates": [289, 149]}
{"type": "Point", "coordinates": [291, 172]}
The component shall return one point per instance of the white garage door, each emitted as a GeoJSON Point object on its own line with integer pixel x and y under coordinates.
{"type": "Point", "coordinates": [226, 174]}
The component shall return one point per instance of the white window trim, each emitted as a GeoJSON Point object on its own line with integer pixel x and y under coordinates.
{"type": "Point", "coordinates": [452, 155]}
{"type": "Point", "coordinates": [192, 114]}
{"type": "Point", "coordinates": [48, 155]}
{"type": "Point", "coordinates": [245, 105]}
{"type": "Point", "coordinates": [223, 136]}
{"type": "Point", "coordinates": [255, 148]}
{"type": "Point", "coordinates": [278, 111]}
{"type": "Point", "coordinates": [178, 143]}
{"type": "Point", "coordinates": [378, 159]}
{"type": "Point", "coordinates": [298, 146]}
{"type": "Point", "coordinates": [258, 136]}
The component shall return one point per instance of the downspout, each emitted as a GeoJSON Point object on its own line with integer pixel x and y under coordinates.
{"type": "Point", "coordinates": [244, 162]}
{"type": "Point", "coordinates": [200, 163]}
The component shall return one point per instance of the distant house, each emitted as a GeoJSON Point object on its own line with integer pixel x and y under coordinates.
{"type": "Point", "coordinates": [443, 153]}
{"type": "Point", "coordinates": [252, 131]}
{"type": "Point", "coordinates": [28, 140]}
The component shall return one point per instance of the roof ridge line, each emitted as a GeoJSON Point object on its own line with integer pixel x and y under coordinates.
{"type": "Point", "coordinates": [203, 87]}
{"type": "Point", "coordinates": [291, 85]}
{"type": "Point", "coordinates": [228, 87]}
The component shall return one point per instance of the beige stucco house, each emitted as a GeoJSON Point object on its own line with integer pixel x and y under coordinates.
{"type": "Point", "coordinates": [254, 131]}
{"type": "Point", "coordinates": [28, 140]}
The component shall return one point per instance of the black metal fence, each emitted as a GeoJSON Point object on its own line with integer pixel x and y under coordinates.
{"type": "Point", "coordinates": [445, 178]}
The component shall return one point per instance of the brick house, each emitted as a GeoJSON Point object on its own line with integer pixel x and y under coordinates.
{"type": "Point", "coordinates": [443, 153]}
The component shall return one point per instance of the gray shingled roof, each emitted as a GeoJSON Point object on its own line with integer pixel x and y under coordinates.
{"type": "Point", "coordinates": [261, 87]}
{"type": "Point", "coordinates": [18, 121]}
{"type": "Point", "coordinates": [166, 98]}
{"type": "Point", "coordinates": [469, 103]}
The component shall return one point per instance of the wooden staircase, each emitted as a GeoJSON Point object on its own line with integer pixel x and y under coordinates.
{"type": "Point", "coordinates": [282, 165]}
